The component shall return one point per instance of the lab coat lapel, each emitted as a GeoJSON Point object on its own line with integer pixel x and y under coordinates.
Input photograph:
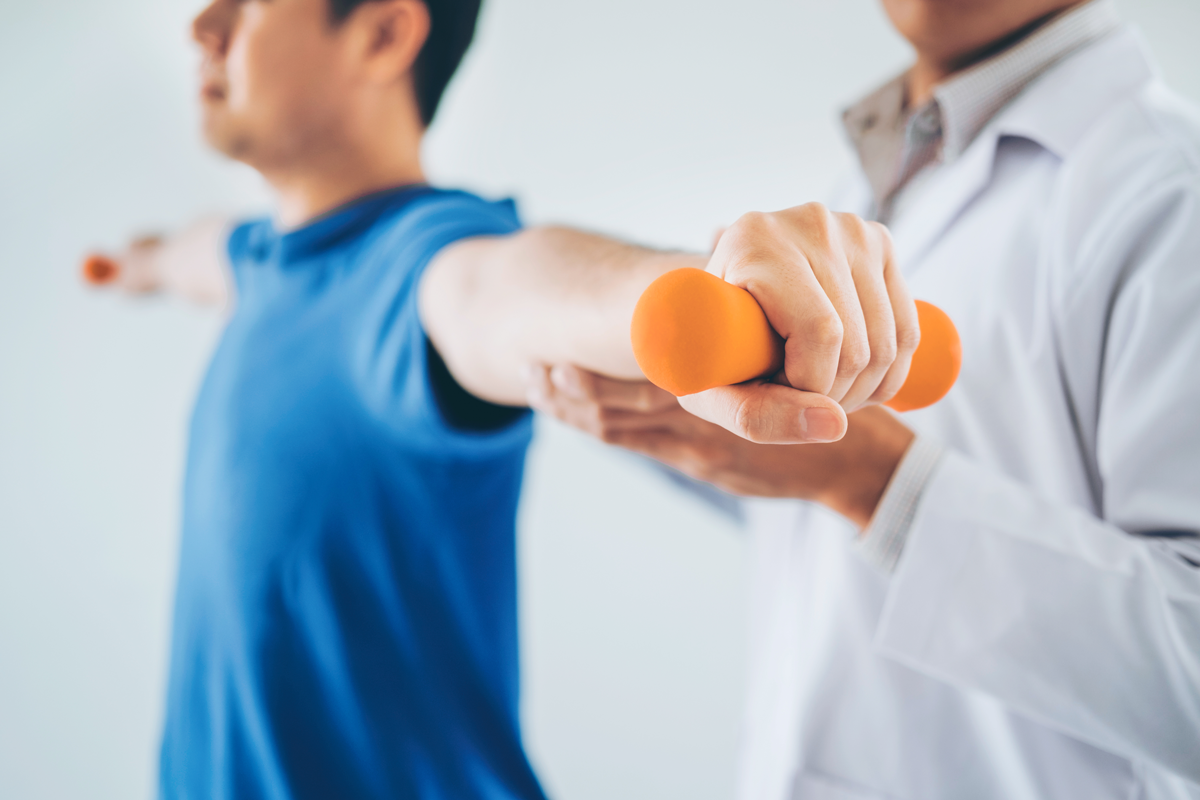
{"type": "Point", "coordinates": [948, 191]}
{"type": "Point", "coordinates": [1055, 111]}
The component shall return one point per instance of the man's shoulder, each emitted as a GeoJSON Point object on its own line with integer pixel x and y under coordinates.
{"type": "Point", "coordinates": [246, 235]}
{"type": "Point", "coordinates": [454, 211]}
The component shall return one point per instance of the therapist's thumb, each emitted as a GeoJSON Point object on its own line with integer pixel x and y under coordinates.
{"type": "Point", "coordinates": [769, 413]}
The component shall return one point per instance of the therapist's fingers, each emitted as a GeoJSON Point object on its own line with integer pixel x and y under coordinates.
{"type": "Point", "coordinates": [608, 392]}
{"type": "Point", "coordinates": [767, 413]}
{"type": "Point", "coordinates": [833, 245]}
{"type": "Point", "coordinates": [765, 254]}
{"type": "Point", "coordinates": [592, 412]}
{"type": "Point", "coordinates": [867, 246]}
{"type": "Point", "coordinates": [908, 327]}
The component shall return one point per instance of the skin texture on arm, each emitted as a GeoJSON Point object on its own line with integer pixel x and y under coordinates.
{"type": "Point", "coordinates": [493, 306]}
{"type": "Point", "coordinates": [190, 264]}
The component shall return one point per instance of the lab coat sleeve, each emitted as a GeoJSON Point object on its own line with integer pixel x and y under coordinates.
{"type": "Point", "coordinates": [1087, 623]}
{"type": "Point", "coordinates": [883, 540]}
{"type": "Point", "coordinates": [728, 505]}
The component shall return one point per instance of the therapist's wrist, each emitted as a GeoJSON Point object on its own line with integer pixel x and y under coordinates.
{"type": "Point", "coordinates": [872, 450]}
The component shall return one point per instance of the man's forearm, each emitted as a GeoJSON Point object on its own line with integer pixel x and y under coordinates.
{"type": "Point", "coordinates": [545, 295]}
{"type": "Point", "coordinates": [191, 264]}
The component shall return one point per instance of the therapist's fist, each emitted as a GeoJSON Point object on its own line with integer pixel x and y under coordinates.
{"type": "Point", "coordinates": [829, 286]}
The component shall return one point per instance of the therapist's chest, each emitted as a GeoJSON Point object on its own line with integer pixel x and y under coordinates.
{"type": "Point", "coordinates": [992, 262]}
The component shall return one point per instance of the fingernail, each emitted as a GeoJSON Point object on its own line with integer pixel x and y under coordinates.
{"type": "Point", "coordinates": [566, 379]}
{"type": "Point", "coordinates": [819, 425]}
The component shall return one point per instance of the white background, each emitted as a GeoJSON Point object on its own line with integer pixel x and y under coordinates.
{"type": "Point", "coordinates": [658, 120]}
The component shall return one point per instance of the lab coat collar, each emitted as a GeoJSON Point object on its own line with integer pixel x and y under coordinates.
{"type": "Point", "coordinates": [1058, 109]}
{"type": "Point", "coordinates": [1055, 111]}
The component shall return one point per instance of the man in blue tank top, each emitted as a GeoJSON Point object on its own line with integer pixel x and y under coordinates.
{"type": "Point", "coordinates": [345, 621]}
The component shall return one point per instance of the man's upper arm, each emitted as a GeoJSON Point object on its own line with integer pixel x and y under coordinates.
{"type": "Point", "coordinates": [459, 306]}
{"type": "Point", "coordinates": [199, 261]}
{"type": "Point", "coordinates": [492, 306]}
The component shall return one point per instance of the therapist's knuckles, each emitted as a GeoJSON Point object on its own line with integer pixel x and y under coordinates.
{"type": "Point", "coordinates": [908, 337]}
{"type": "Point", "coordinates": [881, 355]}
{"type": "Point", "coordinates": [813, 353]}
{"type": "Point", "coordinates": [893, 379]}
{"type": "Point", "coordinates": [753, 235]}
{"type": "Point", "coordinates": [830, 342]}
{"type": "Point", "coordinates": [854, 356]}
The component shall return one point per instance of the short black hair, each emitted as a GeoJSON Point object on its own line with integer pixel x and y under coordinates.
{"type": "Point", "coordinates": [452, 26]}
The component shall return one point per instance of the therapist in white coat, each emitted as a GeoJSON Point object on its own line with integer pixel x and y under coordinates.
{"type": "Point", "coordinates": [999, 596]}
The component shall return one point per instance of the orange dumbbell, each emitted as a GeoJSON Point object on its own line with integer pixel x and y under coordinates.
{"type": "Point", "coordinates": [99, 270]}
{"type": "Point", "coordinates": [693, 331]}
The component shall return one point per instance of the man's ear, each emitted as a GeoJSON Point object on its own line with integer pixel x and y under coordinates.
{"type": "Point", "coordinates": [390, 35]}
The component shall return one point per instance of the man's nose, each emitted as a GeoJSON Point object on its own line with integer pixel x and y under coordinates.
{"type": "Point", "coordinates": [210, 28]}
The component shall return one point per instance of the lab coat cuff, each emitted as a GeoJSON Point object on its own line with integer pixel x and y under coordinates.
{"type": "Point", "coordinates": [939, 546]}
{"type": "Point", "coordinates": [883, 541]}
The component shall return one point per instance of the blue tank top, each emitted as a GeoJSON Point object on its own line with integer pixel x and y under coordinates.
{"type": "Point", "coordinates": [345, 620]}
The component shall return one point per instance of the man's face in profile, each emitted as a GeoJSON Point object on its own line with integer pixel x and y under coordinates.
{"type": "Point", "coordinates": [271, 82]}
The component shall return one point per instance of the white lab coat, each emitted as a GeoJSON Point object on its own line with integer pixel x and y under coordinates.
{"type": "Point", "coordinates": [1029, 645]}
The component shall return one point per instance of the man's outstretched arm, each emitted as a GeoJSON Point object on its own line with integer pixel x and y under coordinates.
{"type": "Point", "coordinates": [190, 263]}
{"type": "Point", "coordinates": [492, 306]}
{"type": "Point", "coordinates": [827, 282]}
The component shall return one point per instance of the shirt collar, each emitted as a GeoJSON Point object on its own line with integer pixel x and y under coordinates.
{"type": "Point", "coordinates": [1060, 113]}
{"type": "Point", "coordinates": [895, 143]}
{"type": "Point", "coordinates": [1094, 80]}
{"type": "Point", "coordinates": [969, 100]}
{"type": "Point", "coordinates": [342, 223]}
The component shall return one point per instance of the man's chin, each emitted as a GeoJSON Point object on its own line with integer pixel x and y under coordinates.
{"type": "Point", "coordinates": [225, 138]}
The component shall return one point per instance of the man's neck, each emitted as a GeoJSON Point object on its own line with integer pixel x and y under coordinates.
{"type": "Point", "coordinates": [932, 69]}
{"type": "Point", "coordinates": [332, 180]}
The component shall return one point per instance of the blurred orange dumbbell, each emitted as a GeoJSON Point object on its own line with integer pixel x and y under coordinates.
{"type": "Point", "coordinates": [99, 270]}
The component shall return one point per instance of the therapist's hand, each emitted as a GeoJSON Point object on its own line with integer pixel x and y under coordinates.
{"type": "Point", "coordinates": [848, 476]}
{"type": "Point", "coordinates": [829, 286]}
